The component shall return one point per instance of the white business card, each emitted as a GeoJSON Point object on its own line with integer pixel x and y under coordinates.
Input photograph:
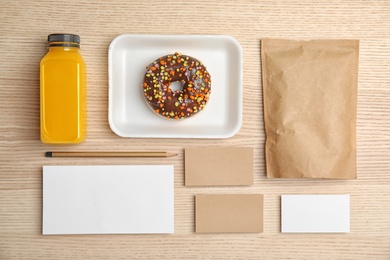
{"type": "Point", "coordinates": [315, 213]}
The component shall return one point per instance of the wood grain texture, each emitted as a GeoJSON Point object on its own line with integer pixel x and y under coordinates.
{"type": "Point", "coordinates": [24, 26]}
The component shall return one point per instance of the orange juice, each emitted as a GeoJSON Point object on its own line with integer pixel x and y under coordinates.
{"type": "Point", "coordinates": [63, 91]}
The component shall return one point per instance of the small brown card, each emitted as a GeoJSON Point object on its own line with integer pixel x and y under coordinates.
{"type": "Point", "coordinates": [229, 213]}
{"type": "Point", "coordinates": [227, 166]}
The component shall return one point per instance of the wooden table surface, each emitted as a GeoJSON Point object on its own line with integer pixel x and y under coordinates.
{"type": "Point", "coordinates": [24, 26]}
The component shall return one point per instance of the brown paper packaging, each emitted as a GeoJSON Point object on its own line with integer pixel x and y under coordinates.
{"type": "Point", "coordinates": [310, 99]}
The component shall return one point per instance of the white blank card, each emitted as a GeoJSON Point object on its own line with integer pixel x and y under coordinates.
{"type": "Point", "coordinates": [315, 213]}
{"type": "Point", "coordinates": [108, 199]}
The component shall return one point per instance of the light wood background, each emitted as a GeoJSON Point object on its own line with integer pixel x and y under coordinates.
{"type": "Point", "coordinates": [24, 26]}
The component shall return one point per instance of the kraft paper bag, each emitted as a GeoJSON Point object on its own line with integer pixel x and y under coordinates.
{"type": "Point", "coordinates": [310, 99]}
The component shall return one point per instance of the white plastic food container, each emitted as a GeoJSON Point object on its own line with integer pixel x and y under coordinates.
{"type": "Point", "coordinates": [130, 116]}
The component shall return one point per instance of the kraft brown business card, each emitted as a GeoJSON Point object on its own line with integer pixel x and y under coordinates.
{"type": "Point", "coordinates": [229, 213]}
{"type": "Point", "coordinates": [219, 166]}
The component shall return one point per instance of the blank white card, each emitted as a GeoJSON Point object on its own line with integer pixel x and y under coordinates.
{"type": "Point", "coordinates": [108, 199]}
{"type": "Point", "coordinates": [315, 214]}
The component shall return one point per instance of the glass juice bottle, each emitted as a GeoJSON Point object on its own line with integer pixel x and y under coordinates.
{"type": "Point", "coordinates": [63, 91]}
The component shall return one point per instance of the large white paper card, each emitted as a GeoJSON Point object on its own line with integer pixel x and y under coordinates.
{"type": "Point", "coordinates": [315, 214]}
{"type": "Point", "coordinates": [106, 199]}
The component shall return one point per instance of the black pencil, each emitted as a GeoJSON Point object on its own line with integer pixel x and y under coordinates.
{"type": "Point", "coordinates": [110, 154]}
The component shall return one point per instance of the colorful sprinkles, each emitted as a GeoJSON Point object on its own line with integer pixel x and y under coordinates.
{"type": "Point", "coordinates": [178, 104]}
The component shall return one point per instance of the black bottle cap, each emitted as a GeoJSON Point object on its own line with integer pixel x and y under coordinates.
{"type": "Point", "coordinates": [63, 37]}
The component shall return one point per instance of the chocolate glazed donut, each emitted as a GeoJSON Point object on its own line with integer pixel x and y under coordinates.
{"type": "Point", "coordinates": [176, 104]}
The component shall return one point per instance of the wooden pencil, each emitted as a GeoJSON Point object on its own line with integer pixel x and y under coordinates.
{"type": "Point", "coordinates": [110, 154]}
